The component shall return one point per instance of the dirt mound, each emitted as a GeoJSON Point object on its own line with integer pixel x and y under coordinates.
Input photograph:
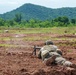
{"type": "Point", "coordinates": [53, 71]}
{"type": "Point", "coordinates": [16, 56]}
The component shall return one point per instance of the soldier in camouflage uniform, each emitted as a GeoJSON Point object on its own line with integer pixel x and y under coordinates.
{"type": "Point", "coordinates": [50, 54]}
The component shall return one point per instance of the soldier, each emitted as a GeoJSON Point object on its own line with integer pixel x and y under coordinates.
{"type": "Point", "coordinates": [50, 54]}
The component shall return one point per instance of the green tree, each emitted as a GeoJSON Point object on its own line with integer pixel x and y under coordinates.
{"type": "Point", "coordinates": [62, 21]}
{"type": "Point", "coordinates": [18, 17]}
{"type": "Point", "coordinates": [1, 22]}
{"type": "Point", "coordinates": [73, 21]}
{"type": "Point", "coordinates": [65, 20]}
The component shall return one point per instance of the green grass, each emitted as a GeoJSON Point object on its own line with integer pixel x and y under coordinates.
{"type": "Point", "coordinates": [8, 45]}
{"type": "Point", "coordinates": [57, 30]}
{"type": "Point", "coordinates": [53, 30]}
{"type": "Point", "coordinates": [70, 51]}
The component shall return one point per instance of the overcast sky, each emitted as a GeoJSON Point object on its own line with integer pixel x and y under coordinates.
{"type": "Point", "coordinates": [8, 5]}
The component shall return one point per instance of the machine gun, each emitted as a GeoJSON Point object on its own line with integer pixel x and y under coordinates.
{"type": "Point", "coordinates": [35, 48]}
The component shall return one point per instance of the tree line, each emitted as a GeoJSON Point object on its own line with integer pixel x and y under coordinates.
{"type": "Point", "coordinates": [17, 21]}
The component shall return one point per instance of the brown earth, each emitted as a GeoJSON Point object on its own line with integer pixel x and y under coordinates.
{"type": "Point", "coordinates": [19, 60]}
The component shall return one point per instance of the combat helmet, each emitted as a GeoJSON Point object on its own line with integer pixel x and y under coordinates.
{"type": "Point", "coordinates": [49, 42]}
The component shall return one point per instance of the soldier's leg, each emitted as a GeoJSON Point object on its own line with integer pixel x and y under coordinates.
{"type": "Point", "coordinates": [60, 60]}
{"type": "Point", "coordinates": [67, 63]}
{"type": "Point", "coordinates": [64, 62]}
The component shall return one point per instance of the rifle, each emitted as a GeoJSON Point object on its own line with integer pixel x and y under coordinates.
{"type": "Point", "coordinates": [35, 47]}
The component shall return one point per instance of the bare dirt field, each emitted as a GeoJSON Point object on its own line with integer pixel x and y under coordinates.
{"type": "Point", "coordinates": [16, 54]}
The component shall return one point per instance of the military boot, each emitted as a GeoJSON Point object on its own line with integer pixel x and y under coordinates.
{"type": "Point", "coordinates": [49, 61]}
{"type": "Point", "coordinates": [73, 66]}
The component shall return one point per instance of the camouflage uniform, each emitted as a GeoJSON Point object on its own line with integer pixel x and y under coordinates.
{"type": "Point", "coordinates": [49, 51]}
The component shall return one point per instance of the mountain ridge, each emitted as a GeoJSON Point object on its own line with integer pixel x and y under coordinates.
{"type": "Point", "coordinates": [32, 11]}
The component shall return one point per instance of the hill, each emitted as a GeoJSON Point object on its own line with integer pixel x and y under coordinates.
{"type": "Point", "coordinates": [31, 11]}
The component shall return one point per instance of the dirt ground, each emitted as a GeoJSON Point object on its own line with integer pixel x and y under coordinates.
{"type": "Point", "coordinates": [17, 58]}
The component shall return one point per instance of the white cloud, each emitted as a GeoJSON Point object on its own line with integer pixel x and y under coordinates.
{"type": "Point", "coordinates": [7, 5]}
{"type": "Point", "coordinates": [13, 3]}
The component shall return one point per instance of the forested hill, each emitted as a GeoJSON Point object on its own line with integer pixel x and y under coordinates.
{"type": "Point", "coordinates": [31, 11]}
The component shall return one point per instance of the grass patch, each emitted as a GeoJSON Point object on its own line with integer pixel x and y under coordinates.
{"type": "Point", "coordinates": [8, 45]}
{"type": "Point", "coordinates": [57, 30]}
{"type": "Point", "coordinates": [70, 50]}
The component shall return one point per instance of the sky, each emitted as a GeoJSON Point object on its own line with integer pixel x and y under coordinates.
{"type": "Point", "coordinates": [8, 5]}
